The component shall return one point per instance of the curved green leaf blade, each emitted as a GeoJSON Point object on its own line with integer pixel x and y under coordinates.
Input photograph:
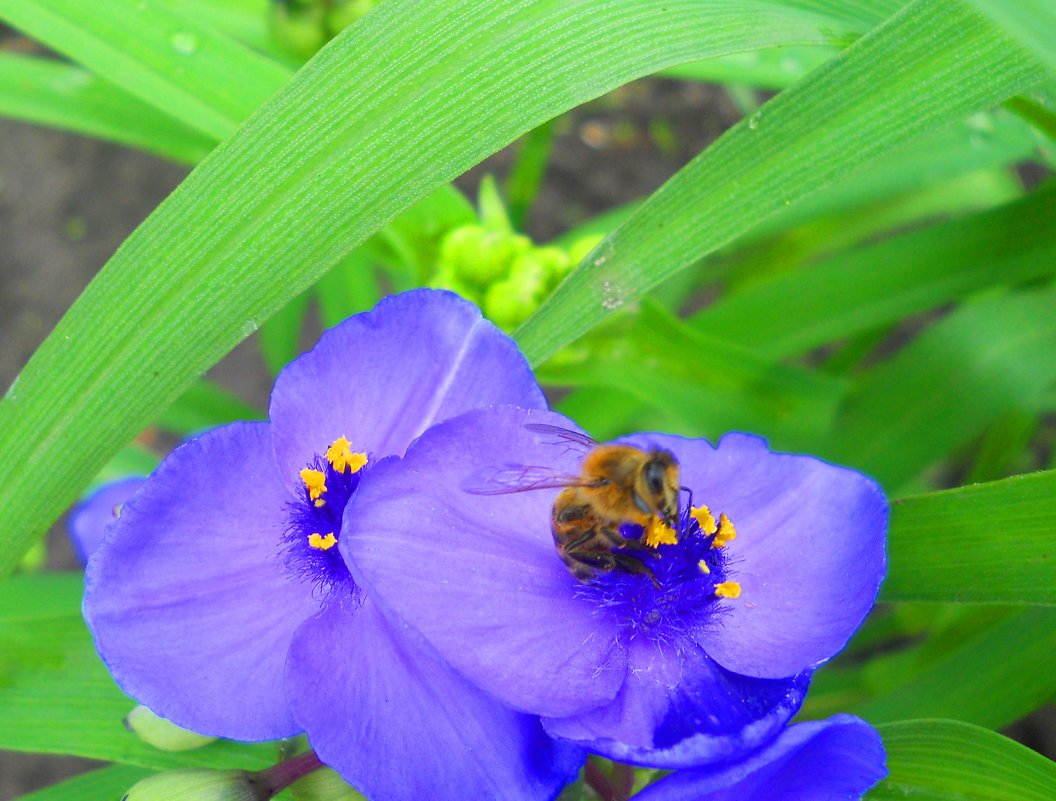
{"type": "Point", "coordinates": [987, 543]}
{"type": "Point", "coordinates": [56, 696]}
{"type": "Point", "coordinates": [183, 68]}
{"type": "Point", "coordinates": [932, 63]}
{"type": "Point", "coordinates": [374, 122]}
{"type": "Point", "coordinates": [947, 386]}
{"type": "Point", "coordinates": [1032, 22]}
{"type": "Point", "coordinates": [881, 284]}
{"type": "Point", "coordinates": [941, 760]}
{"type": "Point", "coordinates": [1003, 673]}
{"type": "Point", "coordinates": [48, 92]}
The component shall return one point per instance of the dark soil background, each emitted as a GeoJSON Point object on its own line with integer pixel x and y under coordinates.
{"type": "Point", "coordinates": [67, 203]}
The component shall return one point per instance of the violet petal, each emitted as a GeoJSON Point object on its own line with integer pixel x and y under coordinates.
{"type": "Point", "coordinates": [188, 600]}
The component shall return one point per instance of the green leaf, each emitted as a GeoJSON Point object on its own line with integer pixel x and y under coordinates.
{"type": "Point", "coordinates": [55, 695]}
{"type": "Point", "coordinates": [280, 337]}
{"type": "Point", "coordinates": [245, 20]}
{"type": "Point", "coordinates": [941, 760]}
{"type": "Point", "coordinates": [988, 543]}
{"type": "Point", "coordinates": [704, 386]}
{"type": "Point", "coordinates": [376, 121]}
{"type": "Point", "coordinates": [48, 92]}
{"type": "Point", "coordinates": [947, 386]}
{"type": "Point", "coordinates": [206, 405]}
{"type": "Point", "coordinates": [1003, 673]}
{"type": "Point", "coordinates": [932, 63]}
{"type": "Point", "coordinates": [875, 286]}
{"type": "Point", "coordinates": [526, 174]}
{"type": "Point", "coordinates": [968, 146]}
{"type": "Point", "coordinates": [105, 784]}
{"type": "Point", "coordinates": [776, 68]}
{"type": "Point", "coordinates": [1031, 22]}
{"type": "Point", "coordinates": [175, 64]}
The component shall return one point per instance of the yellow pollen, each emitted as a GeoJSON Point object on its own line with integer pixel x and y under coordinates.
{"type": "Point", "coordinates": [702, 514]}
{"type": "Point", "coordinates": [322, 543]}
{"type": "Point", "coordinates": [340, 456]}
{"type": "Point", "coordinates": [320, 503]}
{"type": "Point", "coordinates": [314, 482]}
{"type": "Point", "coordinates": [728, 589]}
{"type": "Point", "coordinates": [659, 533]}
{"type": "Point", "coordinates": [703, 567]}
{"type": "Point", "coordinates": [726, 532]}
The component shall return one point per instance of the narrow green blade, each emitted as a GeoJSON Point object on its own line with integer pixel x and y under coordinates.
{"type": "Point", "coordinates": [60, 95]}
{"type": "Point", "coordinates": [1031, 22]}
{"type": "Point", "coordinates": [1003, 673]}
{"type": "Point", "coordinates": [55, 695]}
{"type": "Point", "coordinates": [932, 63]}
{"type": "Point", "coordinates": [941, 760]}
{"type": "Point", "coordinates": [947, 386]}
{"type": "Point", "coordinates": [177, 65]}
{"type": "Point", "coordinates": [372, 124]}
{"type": "Point", "coordinates": [878, 285]}
{"type": "Point", "coordinates": [987, 543]}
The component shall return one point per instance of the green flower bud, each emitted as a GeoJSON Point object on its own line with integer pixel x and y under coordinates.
{"type": "Point", "coordinates": [445, 278]}
{"type": "Point", "coordinates": [161, 733]}
{"type": "Point", "coordinates": [509, 302]}
{"type": "Point", "coordinates": [479, 255]}
{"type": "Point", "coordinates": [200, 784]}
{"type": "Point", "coordinates": [556, 265]}
{"type": "Point", "coordinates": [299, 28]}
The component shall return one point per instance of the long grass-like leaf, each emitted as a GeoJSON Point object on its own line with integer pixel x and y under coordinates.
{"type": "Point", "coordinates": [932, 63]}
{"type": "Point", "coordinates": [170, 61]}
{"type": "Point", "coordinates": [402, 102]}
{"type": "Point", "coordinates": [64, 96]}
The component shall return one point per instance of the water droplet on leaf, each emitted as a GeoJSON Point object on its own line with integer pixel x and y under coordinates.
{"type": "Point", "coordinates": [185, 43]}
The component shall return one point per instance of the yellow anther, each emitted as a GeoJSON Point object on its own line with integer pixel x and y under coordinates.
{"type": "Point", "coordinates": [728, 589]}
{"type": "Point", "coordinates": [703, 567]}
{"type": "Point", "coordinates": [322, 543]}
{"type": "Point", "coordinates": [340, 456]}
{"type": "Point", "coordinates": [314, 482]}
{"type": "Point", "coordinates": [702, 514]}
{"type": "Point", "coordinates": [660, 533]}
{"type": "Point", "coordinates": [725, 533]}
{"type": "Point", "coordinates": [320, 503]}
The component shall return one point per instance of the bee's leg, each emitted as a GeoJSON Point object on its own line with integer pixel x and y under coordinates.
{"type": "Point", "coordinates": [617, 540]}
{"type": "Point", "coordinates": [585, 566]}
{"type": "Point", "coordinates": [630, 564]}
{"type": "Point", "coordinates": [570, 513]}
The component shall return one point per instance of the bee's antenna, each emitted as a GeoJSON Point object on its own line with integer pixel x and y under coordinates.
{"type": "Point", "coordinates": [688, 490]}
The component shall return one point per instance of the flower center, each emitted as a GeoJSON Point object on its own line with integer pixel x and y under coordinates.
{"type": "Point", "coordinates": [691, 566]}
{"type": "Point", "coordinates": [314, 518]}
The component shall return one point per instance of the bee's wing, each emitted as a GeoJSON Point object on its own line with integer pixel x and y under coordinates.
{"type": "Point", "coordinates": [503, 479]}
{"type": "Point", "coordinates": [574, 440]}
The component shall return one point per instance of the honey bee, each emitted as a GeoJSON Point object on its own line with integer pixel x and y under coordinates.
{"type": "Point", "coordinates": [616, 485]}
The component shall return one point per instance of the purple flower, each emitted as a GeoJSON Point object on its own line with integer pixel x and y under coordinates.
{"type": "Point", "coordinates": [832, 760]}
{"type": "Point", "coordinates": [89, 518]}
{"type": "Point", "coordinates": [703, 668]}
{"type": "Point", "coordinates": [219, 598]}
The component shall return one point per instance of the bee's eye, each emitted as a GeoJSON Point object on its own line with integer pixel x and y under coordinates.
{"type": "Point", "coordinates": [654, 477]}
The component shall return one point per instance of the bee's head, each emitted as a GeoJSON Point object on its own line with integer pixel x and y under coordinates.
{"type": "Point", "coordinates": [658, 485]}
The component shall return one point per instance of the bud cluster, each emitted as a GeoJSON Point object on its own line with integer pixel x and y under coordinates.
{"type": "Point", "coordinates": [503, 272]}
{"type": "Point", "coordinates": [303, 26]}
